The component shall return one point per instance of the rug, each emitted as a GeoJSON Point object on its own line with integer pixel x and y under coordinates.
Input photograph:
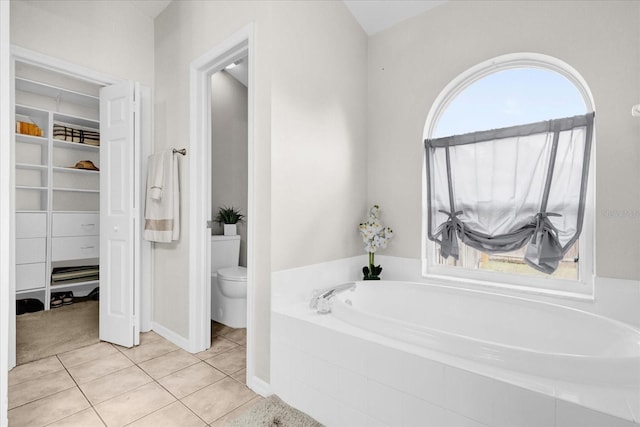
{"type": "Point", "coordinates": [273, 412]}
{"type": "Point", "coordinates": [46, 333]}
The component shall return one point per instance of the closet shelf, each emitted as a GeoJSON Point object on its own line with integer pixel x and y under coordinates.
{"type": "Point", "coordinates": [30, 139]}
{"type": "Point", "coordinates": [52, 91]}
{"type": "Point", "coordinates": [31, 166]}
{"type": "Point", "coordinates": [75, 190]}
{"type": "Point", "coordinates": [75, 145]}
{"type": "Point", "coordinates": [28, 291]}
{"type": "Point", "coordinates": [75, 212]}
{"type": "Point", "coordinates": [74, 170]}
{"type": "Point", "coordinates": [30, 187]}
{"type": "Point", "coordinates": [76, 120]}
{"type": "Point", "coordinates": [57, 286]}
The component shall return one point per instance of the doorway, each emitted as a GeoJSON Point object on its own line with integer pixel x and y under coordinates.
{"type": "Point", "coordinates": [239, 45]}
{"type": "Point", "coordinates": [56, 199]}
{"type": "Point", "coordinates": [229, 191]}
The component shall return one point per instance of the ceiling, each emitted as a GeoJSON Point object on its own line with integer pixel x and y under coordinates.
{"type": "Point", "coordinates": [373, 15]}
{"type": "Point", "coordinates": [377, 15]}
{"type": "Point", "coordinates": [151, 8]}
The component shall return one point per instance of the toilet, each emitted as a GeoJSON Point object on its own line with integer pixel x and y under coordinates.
{"type": "Point", "coordinates": [228, 282]}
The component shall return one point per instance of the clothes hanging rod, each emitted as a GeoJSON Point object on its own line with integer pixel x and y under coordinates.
{"type": "Point", "coordinates": [182, 151]}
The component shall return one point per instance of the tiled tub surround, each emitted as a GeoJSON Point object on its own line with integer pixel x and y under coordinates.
{"type": "Point", "coordinates": [343, 375]}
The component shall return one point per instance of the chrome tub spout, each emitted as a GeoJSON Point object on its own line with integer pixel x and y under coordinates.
{"type": "Point", "coordinates": [321, 299]}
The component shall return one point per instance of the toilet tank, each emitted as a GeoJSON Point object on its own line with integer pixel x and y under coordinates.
{"type": "Point", "coordinates": [225, 252]}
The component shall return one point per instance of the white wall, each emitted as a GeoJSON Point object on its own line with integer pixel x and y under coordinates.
{"type": "Point", "coordinates": [185, 31]}
{"type": "Point", "coordinates": [229, 172]}
{"type": "Point", "coordinates": [5, 208]}
{"type": "Point", "coordinates": [106, 36]}
{"type": "Point", "coordinates": [310, 174]}
{"type": "Point", "coordinates": [319, 139]}
{"type": "Point", "coordinates": [412, 62]}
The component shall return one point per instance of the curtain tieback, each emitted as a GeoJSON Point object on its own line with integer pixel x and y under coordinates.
{"type": "Point", "coordinates": [544, 251]}
{"type": "Point", "coordinates": [449, 243]}
{"type": "Point", "coordinates": [543, 224]}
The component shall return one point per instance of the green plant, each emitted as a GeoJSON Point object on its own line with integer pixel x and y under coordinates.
{"type": "Point", "coordinates": [229, 215]}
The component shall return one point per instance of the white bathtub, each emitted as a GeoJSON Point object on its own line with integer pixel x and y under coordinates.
{"type": "Point", "coordinates": [420, 354]}
{"type": "Point", "coordinates": [516, 334]}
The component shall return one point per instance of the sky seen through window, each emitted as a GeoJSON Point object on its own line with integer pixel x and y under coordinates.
{"type": "Point", "coordinates": [509, 98]}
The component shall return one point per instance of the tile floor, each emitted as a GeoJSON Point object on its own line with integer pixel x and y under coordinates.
{"type": "Point", "coordinates": [155, 384]}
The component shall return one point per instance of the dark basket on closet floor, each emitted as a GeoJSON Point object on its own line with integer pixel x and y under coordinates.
{"type": "Point", "coordinates": [28, 305]}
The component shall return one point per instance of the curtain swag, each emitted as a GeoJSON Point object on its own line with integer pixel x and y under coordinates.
{"type": "Point", "coordinates": [502, 189]}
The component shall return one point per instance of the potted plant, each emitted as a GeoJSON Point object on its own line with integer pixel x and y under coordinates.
{"type": "Point", "coordinates": [229, 217]}
{"type": "Point", "coordinates": [375, 237]}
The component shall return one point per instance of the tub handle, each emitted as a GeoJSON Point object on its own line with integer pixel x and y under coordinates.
{"type": "Point", "coordinates": [320, 298]}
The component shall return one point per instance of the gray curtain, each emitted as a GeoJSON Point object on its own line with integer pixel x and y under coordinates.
{"type": "Point", "coordinates": [502, 189]}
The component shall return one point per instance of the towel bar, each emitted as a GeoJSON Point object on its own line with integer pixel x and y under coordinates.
{"type": "Point", "coordinates": [182, 151]}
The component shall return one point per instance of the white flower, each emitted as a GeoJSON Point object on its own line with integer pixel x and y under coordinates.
{"type": "Point", "coordinates": [374, 211]}
{"type": "Point", "coordinates": [374, 235]}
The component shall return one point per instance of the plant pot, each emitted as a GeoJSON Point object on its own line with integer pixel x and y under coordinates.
{"type": "Point", "coordinates": [230, 229]}
{"type": "Point", "coordinates": [372, 272]}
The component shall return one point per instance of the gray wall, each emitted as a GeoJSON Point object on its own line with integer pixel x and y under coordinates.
{"type": "Point", "coordinates": [229, 150]}
{"type": "Point", "coordinates": [412, 62]}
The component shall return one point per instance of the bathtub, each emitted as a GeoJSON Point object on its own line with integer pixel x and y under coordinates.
{"type": "Point", "coordinates": [516, 334]}
{"type": "Point", "coordinates": [395, 353]}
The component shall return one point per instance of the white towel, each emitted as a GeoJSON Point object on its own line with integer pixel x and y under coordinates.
{"type": "Point", "coordinates": [162, 209]}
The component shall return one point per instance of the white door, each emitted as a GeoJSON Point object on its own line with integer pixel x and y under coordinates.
{"type": "Point", "coordinates": [119, 241]}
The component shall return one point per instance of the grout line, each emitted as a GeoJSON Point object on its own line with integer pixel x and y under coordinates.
{"type": "Point", "coordinates": [137, 365]}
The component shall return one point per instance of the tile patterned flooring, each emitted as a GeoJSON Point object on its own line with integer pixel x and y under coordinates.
{"type": "Point", "coordinates": [154, 384]}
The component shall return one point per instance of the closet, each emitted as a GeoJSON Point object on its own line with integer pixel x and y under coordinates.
{"type": "Point", "coordinates": [57, 184]}
{"type": "Point", "coordinates": [79, 151]}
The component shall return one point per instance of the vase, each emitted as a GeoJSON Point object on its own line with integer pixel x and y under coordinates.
{"type": "Point", "coordinates": [371, 272]}
{"type": "Point", "coordinates": [230, 229]}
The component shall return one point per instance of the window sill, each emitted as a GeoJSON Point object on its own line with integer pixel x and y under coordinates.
{"type": "Point", "coordinates": [509, 284]}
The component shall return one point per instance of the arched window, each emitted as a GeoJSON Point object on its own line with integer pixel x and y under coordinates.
{"type": "Point", "coordinates": [507, 147]}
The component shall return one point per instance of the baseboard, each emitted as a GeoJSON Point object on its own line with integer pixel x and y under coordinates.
{"type": "Point", "coordinates": [259, 386]}
{"type": "Point", "coordinates": [168, 334]}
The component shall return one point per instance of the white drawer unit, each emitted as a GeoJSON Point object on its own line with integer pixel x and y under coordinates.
{"type": "Point", "coordinates": [67, 248]}
{"type": "Point", "coordinates": [30, 276]}
{"type": "Point", "coordinates": [75, 224]}
{"type": "Point", "coordinates": [31, 224]}
{"type": "Point", "coordinates": [31, 250]}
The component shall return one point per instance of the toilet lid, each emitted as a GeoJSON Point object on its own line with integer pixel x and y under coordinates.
{"type": "Point", "coordinates": [238, 274]}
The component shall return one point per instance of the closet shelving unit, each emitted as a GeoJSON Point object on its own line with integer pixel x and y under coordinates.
{"type": "Point", "coordinates": [57, 206]}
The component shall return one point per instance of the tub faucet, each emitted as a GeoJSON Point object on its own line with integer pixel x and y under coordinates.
{"type": "Point", "coordinates": [321, 299]}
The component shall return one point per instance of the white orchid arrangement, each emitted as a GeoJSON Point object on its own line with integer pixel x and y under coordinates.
{"type": "Point", "coordinates": [375, 237]}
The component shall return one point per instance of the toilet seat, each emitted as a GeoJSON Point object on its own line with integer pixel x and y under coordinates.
{"type": "Point", "coordinates": [233, 274]}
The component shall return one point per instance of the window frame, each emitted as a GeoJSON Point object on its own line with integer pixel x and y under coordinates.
{"type": "Point", "coordinates": [583, 288]}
